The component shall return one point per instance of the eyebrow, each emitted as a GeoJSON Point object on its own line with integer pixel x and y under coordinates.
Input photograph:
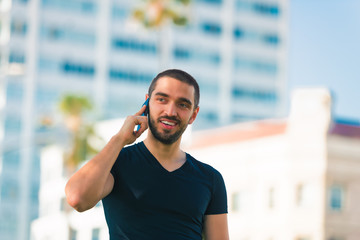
{"type": "Point", "coordinates": [182, 99]}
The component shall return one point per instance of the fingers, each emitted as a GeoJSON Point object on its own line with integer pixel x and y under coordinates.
{"type": "Point", "coordinates": [142, 125]}
{"type": "Point", "coordinates": [134, 126]}
{"type": "Point", "coordinates": [141, 129]}
{"type": "Point", "coordinates": [128, 132]}
{"type": "Point", "coordinates": [142, 110]}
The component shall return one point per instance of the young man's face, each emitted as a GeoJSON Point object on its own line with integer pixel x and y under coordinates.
{"type": "Point", "coordinates": [171, 109]}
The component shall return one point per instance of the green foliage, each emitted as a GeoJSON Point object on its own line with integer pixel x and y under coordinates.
{"type": "Point", "coordinates": [74, 105]}
{"type": "Point", "coordinates": [156, 13]}
{"type": "Point", "coordinates": [81, 149]}
{"type": "Point", "coordinates": [185, 2]}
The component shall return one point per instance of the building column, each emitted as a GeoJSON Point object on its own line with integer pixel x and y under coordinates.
{"type": "Point", "coordinates": [226, 64]}
{"type": "Point", "coordinates": [28, 110]}
{"type": "Point", "coordinates": [102, 52]}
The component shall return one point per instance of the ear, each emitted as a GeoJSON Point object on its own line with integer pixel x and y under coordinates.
{"type": "Point", "coordinates": [194, 114]}
{"type": "Point", "coordinates": [146, 96]}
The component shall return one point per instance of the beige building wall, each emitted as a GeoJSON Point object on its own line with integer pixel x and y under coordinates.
{"type": "Point", "coordinates": [343, 173]}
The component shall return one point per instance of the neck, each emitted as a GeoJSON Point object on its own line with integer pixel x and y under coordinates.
{"type": "Point", "coordinates": [164, 152]}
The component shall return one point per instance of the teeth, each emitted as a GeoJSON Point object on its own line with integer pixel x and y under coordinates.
{"type": "Point", "coordinates": [168, 123]}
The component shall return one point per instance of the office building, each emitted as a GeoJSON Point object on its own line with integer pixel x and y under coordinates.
{"type": "Point", "coordinates": [235, 48]}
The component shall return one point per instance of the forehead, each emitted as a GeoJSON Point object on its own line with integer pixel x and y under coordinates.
{"type": "Point", "coordinates": [174, 88]}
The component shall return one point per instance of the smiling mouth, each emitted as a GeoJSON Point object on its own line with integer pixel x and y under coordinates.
{"type": "Point", "coordinates": [168, 123]}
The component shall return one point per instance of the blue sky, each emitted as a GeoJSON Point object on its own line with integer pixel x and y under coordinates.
{"type": "Point", "coordinates": [325, 50]}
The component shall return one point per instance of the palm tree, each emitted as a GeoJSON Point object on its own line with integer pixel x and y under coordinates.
{"type": "Point", "coordinates": [73, 107]}
{"type": "Point", "coordinates": [156, 15]}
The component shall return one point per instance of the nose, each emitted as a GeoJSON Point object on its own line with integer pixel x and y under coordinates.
{"type": "Point", "coordinates": [170, 109]}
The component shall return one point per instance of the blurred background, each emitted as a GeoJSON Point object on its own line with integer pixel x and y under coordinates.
{"type": "Point", "coordinates": [278, 117]}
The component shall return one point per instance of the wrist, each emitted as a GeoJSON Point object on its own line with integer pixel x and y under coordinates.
{"type": "Point", "coordinates": [118, 140]}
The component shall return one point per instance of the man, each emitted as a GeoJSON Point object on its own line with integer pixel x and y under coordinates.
{"type": "Point", "coordinates": [153, 190]}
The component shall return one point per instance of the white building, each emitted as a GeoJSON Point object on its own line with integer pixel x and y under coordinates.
{"type": "Point", "coordinates": [235, 48]}
{"type": "Point", "coordinates": [288, 179]}
{"type": "Point", "coordinates": [57, 220]}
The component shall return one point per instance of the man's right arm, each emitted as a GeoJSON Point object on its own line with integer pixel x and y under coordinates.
{"type": "Point", "coordinates": [93, 181]}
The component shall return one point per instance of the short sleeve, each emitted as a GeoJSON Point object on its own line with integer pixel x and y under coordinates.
{"type": "Point", "coordinates": [115, 170]}
{"type": "Point", "coordinates": [218, 202]}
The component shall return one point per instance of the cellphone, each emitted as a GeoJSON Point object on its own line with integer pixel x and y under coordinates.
{"type": "Point", "coordinates": [145, 113]}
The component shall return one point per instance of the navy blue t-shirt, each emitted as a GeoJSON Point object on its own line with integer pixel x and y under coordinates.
{"type": "Point", "coordinates": [150, 203]}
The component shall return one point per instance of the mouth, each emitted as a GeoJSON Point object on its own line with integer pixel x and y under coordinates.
{"type": "Point", "coordinates": [168, 124]}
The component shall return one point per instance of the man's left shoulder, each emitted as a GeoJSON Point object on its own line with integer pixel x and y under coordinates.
{"type": "Point", "coordinates": [203, 167]}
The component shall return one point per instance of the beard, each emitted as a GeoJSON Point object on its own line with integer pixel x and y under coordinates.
{"type": "Point", "coordinates": [166, 137]}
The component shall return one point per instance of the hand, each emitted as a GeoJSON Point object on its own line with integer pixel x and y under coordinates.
{"type": "Point", "coordinates": [127, 133]}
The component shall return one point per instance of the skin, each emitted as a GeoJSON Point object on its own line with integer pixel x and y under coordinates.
{"type": "Point", "coordinates": [171, 111]}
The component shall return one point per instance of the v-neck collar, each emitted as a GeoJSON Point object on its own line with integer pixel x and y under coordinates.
{"type": "Point", "coordinates": [159, 165]}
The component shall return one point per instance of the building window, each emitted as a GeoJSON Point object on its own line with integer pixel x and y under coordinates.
{"type": "Point", "coordinates": [9, 220]}
{"type": "Point", "coordinates": [335, 238]}
{"type": "Point", "coordinates": [217, 2]}
{"type": "Point", "coordinates": [88, 7]}
{"type": "Point", "coordinates": [212, 58]}
{"type": "Point", "coordinates": [129, 76]}
{"type": "Point", "coordinates": [238, 117]}
{"type": "Point", "coordinates": [18, 27]}
{"type": "Point", "coordinates": [13, 124]}
{"type": "Point", "coordinates": [240, 201]}
{"type": "Point", "coordinates": [134, 45]}
{"type": "Point", "coordinates": [211, 116]}
{"type": "Point", "coordinates": [78, 68]}
{"type": "Point", "coordinates": [236, 201]}
{"type": "Point", "coordinates": [211, 28]}
{"type": "Point", "coordinates": [181, 53]}
{"type": "Point", "coordinates": [11, 159]}
{"type": "Point", "coordinates": [254, 94]}
{"type": "Point", "coordinates": [72, 234]}
{"type": "Point", "coordinates": [118, 12]}
{"type": "Point", "coordinates": [261, 67]}
{"type": "Point", "coordinates": [336, 198]}
{"type": "Point", "coordinates": [10, 190]}
{"type": "Point", "coordinates": [303, 238]}
{"type": "Point", "coordinates": [266, 9]}
{"type": "Point", "coordinates": [84, 6]}
{"type": "Point", "coordinates": [21, 1]}
{"type": "Point", "coordinates": [47, 65]}
{"type": "Point", "coordinates": [14, 92]}
{"type": "Point", "coordinates": [58, 33]}
{"type": "Point", "coordinates": [271, 198]}
{"type": "Point", "coordinates": [242, 5]}
{"type": "Point", "coordinates": [304, 195]}
{"type": "Point", "coordinates": [95, 235]}
{"type": "Point", "coordinates": [238, 33]}
{"type": "Point", "coordinates": [271, 39]}
{"type": "Point", "coordinates": [16, 57]}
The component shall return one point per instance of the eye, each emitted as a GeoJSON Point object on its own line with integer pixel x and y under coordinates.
{"type": "Point", "coordinates": [183, 105]}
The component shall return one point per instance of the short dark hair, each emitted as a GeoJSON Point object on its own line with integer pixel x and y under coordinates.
{"type": "Point", "coordinates": [181, 76]}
